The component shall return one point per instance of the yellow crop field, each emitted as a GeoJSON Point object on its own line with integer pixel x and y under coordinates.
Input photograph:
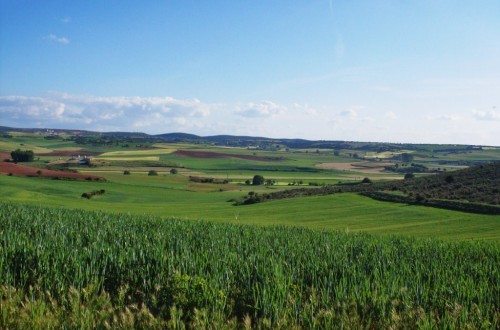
{"type": "Point", "coordinates": [138, 152]}
{"type": "Point", "coordinates": [148, 158]}
{"type": "Point", "coordinates": [9, 146]}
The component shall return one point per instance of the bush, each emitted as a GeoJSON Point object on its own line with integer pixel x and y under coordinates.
{"type": "Point", "coordinates": [409, 176]}
{"type": "Point", "coordinates": [366, 180]}
{"type": "Point", "coordinates": [258, 180]}
{"type": "Point", "coordinates": [152, 172]}
{"type": "Point", "coordinates": [173, 171]}
{"type": "Point", "coordinates": [126, 172]}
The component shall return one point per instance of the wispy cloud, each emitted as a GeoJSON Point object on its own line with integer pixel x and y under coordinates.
{"type": "Point", "coordinates": [54, 38]}
{"type": "Point", "coordinates": [261, 109]}
{"type": "Point", "coordinates": [66, 20]}
{"type": "Point", "coordinates": [390, 115]}
{"type": "Point", "coordinates": [446, 117]}
{"type": "Point", "coordinates": [489, 115]}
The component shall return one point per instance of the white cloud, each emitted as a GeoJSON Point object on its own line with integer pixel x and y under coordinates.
{"type": "Point", "coordinates": [489, 115]}
{"type": "Point", "coordinates": [58, 110]}
{"type": "Point", "coordinates": [390, 115]}
{"type": "Point", "coordinates": [352, 112]}
{"type": "Point", "coordinates": [261, 109]}
{"type": "Point", "coordinates": [349, 113]}
{"type": "Point", "coordinates": [54, 38]}
{"type": "Point", "coordinates": [446, 117]}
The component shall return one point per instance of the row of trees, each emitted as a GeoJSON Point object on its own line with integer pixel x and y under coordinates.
{"type": "Point", "coordinates": [19, 155]}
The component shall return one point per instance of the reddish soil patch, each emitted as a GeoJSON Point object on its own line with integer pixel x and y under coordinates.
{"type": "Point", "coordinates": [207, 154]}
{"type": "Point", "coordinates": [4, 156]}
{"type": "Point", "coordinates": [24, 170]}
{"type": "Point", "coordinates": [69, 153]}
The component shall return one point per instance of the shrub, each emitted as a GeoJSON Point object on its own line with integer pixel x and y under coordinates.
{"type": "Point", "coordinates": [409, 176]}
{"type": "Point", "coordinates": [152, 172]}
{"type": "Point", "coordinates": [258, 180]}
{"type": "Point", "coordinates": [173, 171]}
{"type": "Point", "coordinates": [366, 180]}
{"type": "Point", "coordinates": [126, 172]}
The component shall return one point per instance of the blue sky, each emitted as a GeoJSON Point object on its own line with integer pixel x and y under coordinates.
{"type": "Point", "coordinates": [389, 71]}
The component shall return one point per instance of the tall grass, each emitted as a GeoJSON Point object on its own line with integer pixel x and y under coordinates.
{"type": "Point", "coordinates": [80, 269]}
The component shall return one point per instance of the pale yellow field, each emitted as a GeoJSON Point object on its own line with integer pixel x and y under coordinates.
{"type": "Point", "coordinates": [149, 158]}
{"type": "Point", "coordinates": [386, 154]}
{"type": "Point", "coordinates": [163, 151]}
{"type": "Point", "coordinates": [9, 146]}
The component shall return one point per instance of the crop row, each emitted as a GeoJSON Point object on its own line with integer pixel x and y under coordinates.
{"type": "Point", "coordinates": [275, 277]}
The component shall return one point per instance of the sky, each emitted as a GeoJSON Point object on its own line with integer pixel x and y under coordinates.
{"type": "Point", "coordinates": [403, 71]}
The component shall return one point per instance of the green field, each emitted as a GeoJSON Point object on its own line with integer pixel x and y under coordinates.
{"type": "Point", "coordinates": [74, 269]}
{"type": "Point", "coordinates": [168, 251]}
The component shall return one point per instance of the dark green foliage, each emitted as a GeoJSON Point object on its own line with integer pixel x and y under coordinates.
{"type": "Point", "coordinates": [413, 168]}
{"type": "Point", "coordinates": [366, 180]}
{"type": "Point", "coordinates": [445, 204]}
{"type": "Point", "coordinates": [201, 179]}
{"type": "Point", "coordinates": [409, 176]}
{"type": "Point", "coordinates": [152, 173]}
{"type": "Point", "coordinates": [126, 172]}
{"type": "Point", "coordinates": [478, 185]}
{"type": "Point", "coordinates": [19, 155]}
{"type": "Point", "coordinates": [406, 158]}
{"type": "Point", "coordinates": [93, 193]}
{"type": "Point", "coordinates": [173, 171]}
{"type": "Point", "coordinates": [173, 270]}
{"type": "Point", "coordinates": [258, 180]}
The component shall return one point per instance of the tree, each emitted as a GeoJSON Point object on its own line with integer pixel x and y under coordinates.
{"type": "Point", "coordinates": [366, 180]}
{"type": "Point", "coordinates": [126, 172]}
{"type": "Point", "coordinates": [270, 182]}
{"type": "Point", "coordinates": [336, 153]}
{"type": "Point", "coordinates": [152, 172]}
{"type": "Point", "coordinates": [173, 171]}
{"type": "Point", "coordinates": [19, 155]}
{"type": "Point", "coordinates": [258, 180]}
{"type": "Point", "coordinates": [409, 176]}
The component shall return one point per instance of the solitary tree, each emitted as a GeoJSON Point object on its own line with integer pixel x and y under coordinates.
{"type": "Point", "coordinates": [409, 176]}
{"type": "Point", "coordinates": [173, 171]}
{"type": "Point", "coordinates": [258, 180]}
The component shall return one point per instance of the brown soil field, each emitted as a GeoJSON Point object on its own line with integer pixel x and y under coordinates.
{"type": "Point", "coordinates": [363, 167]}
{"type": "Point", "coordinates": [24, 170]}
{"type": "Point", "coordinates": [207, 154]}
{"type": "Point", "coordinates": [4, 156]}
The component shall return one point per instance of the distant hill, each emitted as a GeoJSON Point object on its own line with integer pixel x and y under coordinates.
{"type": "Point", "coordinates": [467, 190]}
{"type": "Point", "coordinates": [255, 141]}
